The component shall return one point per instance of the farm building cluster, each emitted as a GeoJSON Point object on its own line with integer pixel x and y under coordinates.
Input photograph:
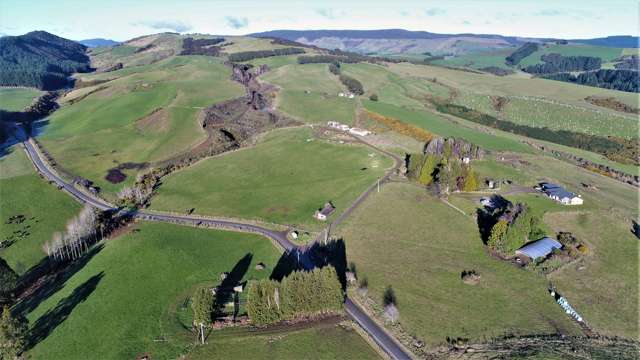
{"type": "Point", "coordinates": [347, 128]}
{"type": "Point", "coordinates": [347, 95]}
{"type": "Point", "coordinates": [559, 194]}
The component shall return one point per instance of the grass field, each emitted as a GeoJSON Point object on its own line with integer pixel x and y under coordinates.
{"type": "Point", "coordinates": [604, 52]}
{"type": "Point", "coordinates": [538, 112]}
{"type": "Point", "coordinates": [478, 60]}
{"type": "Point", "coordinates": [319, 342]}
{"type": "Point", "coordinates": [16, 99]}
{"type": "Point", "coordinates": [108, 127]}
{"type": "Point", "coordinates": [603, 287]}
{"type": "Point", "coordinates": [418, 251]}
{"type": "Point", "coordinates": [45, 208]}
{"type": "Point", "coordinates": [442, 127]}
{"type": "Point", "coordinates": [515, 86]}
{"type": "Point", "coordinates": [310, 93]}
{"type": "Point", "coordinates": [283, 179]}
{"type": "Point", "coordinates": [130, 293]}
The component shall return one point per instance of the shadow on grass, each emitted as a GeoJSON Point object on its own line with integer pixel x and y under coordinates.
{"type": "Point", "coordinates": [315, 256]}
{"type": "Point", "coordinates": [53, 275]}
{"type": "Point", "coordinates": [225, 291]}
{"type": "Point", "coordinates": [56, 316]}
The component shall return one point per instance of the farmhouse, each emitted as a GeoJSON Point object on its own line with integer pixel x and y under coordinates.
{"type": "Point", "coordinates": [327, 209]}
{"type": "Point", "coordinates": [559, 194]}
{"type": "Point", "coordinates": [539, 248]}
{"type": "Point", "coordinates": [359, 132]}
{"type": "Point", "coordinates": [337, 125]}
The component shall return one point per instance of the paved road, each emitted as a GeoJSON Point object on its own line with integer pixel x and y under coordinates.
{"type": "Point", "coordinates": [378, 334]}
{"type": "Point", "coordinates": [37, 161]}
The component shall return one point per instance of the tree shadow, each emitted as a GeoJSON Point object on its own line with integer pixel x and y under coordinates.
{"type": "Point", "coordinates": [315, 256]}
{"type": "Point", "coordinates": [48, 277]}
{"type": "Point", "coordinates": [488, 215]}
{"type": "Point", "coordinates": [224, 291]}
{"type": "Point", "coordinates": [288, 263]}
{"type": "Point", "coordinates": [333, 253]}
{"type": "Point", "coordinates": [56, 316]}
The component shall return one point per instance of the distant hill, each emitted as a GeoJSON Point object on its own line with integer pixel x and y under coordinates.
{"type": "Point", "coordinates": [622, 41]}
{"type": "Point", "coordinates": [40, 59]}
{"type": "Point", "coordinates": [98, 42]}
{"type": "Point", "coordinates": [399, 41]}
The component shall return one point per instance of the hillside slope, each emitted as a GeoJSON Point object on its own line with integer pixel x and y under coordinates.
{"type": "Point", "coordinates": [40, 59]}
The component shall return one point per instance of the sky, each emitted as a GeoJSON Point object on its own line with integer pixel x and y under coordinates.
{"type": "Point", "coordinates": [122, 20]}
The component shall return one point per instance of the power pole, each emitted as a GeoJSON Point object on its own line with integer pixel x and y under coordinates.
{"type": "Point", "coordinates": [378, 185]}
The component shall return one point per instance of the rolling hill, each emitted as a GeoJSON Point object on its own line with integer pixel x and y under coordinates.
{"type": "Point", "coordinates": [399, 41]}
{"type": "Point", "coordinates": [40, 59]}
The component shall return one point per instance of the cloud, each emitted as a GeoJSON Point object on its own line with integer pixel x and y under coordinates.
{"type": "Point", "coordinates": [466, 22]}
{"type": "Point", "coordinates": [575, 13]}
{"type": "Point", "coordinates": [327, 13]}
{"type": "Point", "coordinates": [435, 11]}
{"type": "Point", "coordinates": [172, 25]}
{"type": "Point", "coordinates": [403, 13]}
{"type": "Point", "coordinates": [236, 22]}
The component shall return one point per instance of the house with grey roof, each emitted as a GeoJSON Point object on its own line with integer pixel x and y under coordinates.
{"type": "Point", "coordinates": [539, 248]}
{"type": "Point", "coordinates": [325, 211]}
{"type": "Point", "coordinates": [560, 194]}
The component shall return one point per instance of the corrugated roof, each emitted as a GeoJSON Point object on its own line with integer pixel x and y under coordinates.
{"type": "Point", "coordinates": [539, 248]}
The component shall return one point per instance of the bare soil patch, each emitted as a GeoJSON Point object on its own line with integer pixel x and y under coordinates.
{"type": "Point", "coordinates": [156, 121]}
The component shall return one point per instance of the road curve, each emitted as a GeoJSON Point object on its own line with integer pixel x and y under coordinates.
{"type": "Point", "coordinates": [377, 333]}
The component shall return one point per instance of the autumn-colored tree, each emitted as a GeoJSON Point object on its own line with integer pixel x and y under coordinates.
{"type": "Point", "coordinates": [498, 231]}
{"type": "Point", "coordinates": [13, 330]}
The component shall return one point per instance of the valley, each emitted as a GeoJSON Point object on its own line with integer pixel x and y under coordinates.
{"type": "Point", "coordinates": [235, 182]}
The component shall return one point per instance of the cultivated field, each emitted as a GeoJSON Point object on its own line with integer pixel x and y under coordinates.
{"type": "Point", "coordinates": [283, 179]}
{"type": "Point", "coordinates": [478, 60]}
{"type": "Point", "coordinates": [126, 300]}
{"type": "Point", "coordinates": [45, 209]}
{"type": "Point", "coordinates": [140, 117]}
{"type": "Point", "coordinates": [16, 99]}
{"type": "Point", "coordinates": [421, 249]}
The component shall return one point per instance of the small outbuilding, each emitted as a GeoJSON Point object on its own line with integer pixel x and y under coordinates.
{"type": "Point", "coordinates": [539, 248]}
{"type": "Point", "coordinates": [327, 209]}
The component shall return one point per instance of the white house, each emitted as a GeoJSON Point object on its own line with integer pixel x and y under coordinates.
{"type": "Point", "coordinates": [359, 132]}
{"type": "Point", "coordinates": [559, 194]}
{"type": "Point", "coordinates": [351, 96]}
{"type": "Point", "coordinates": [341, 94]}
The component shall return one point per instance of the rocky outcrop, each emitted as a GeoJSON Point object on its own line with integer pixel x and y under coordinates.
{"type": "Point", "coordinates": [453, 147]}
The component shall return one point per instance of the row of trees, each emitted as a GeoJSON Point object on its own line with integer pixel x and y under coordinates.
{"type": "Point", "coordinates": [80, 234]}
{"type": "Point", "coordinates": [352, 84]}
{"type": "Point", "coordinates": [302, 293]}
{"type": "Point", "coordinates": [326, 59]}
{"type": "Point", "coordinates": [521, 53]}
{"type": "Point", "coordinates": [191, 46]}
{"type": "Point", "coordinates": [250, 55]}
{"type": "Point", "coordinates": [623, 80]}
{"type": "Point", "coordinates": [555, 63]}
{"type": "Point", "coordinates": [614, 148]}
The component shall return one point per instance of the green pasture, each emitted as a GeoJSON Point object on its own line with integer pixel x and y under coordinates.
{"type": "Point", "coordinates": [604, 52]}
{"type": "Point", "coordinates": [108, 128]}
{"type": "Point", "coordinates": [126, 301]}
{"type": "Point", "coordinates": [405, 238]}
{"type": "Point", "coordinates": [283, 179]}
{"type": "Point", "coordinates": [446, 128]}
{"type": "Point", "coordinates": [16, 99]}
{"type": "Point", "coordinates": [45, 208]}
